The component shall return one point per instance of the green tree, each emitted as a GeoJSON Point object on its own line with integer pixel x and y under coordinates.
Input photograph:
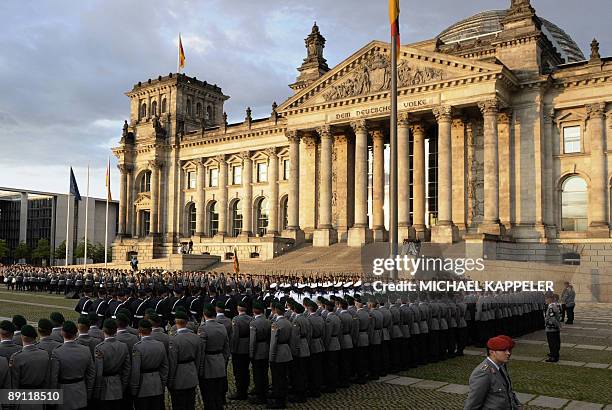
{"type": "Point", "coordinates": [97, 253]}
{"type": "Point", "coordinates": [42, 251]}
{"type": "Point", "coordinates": [80, 250]}
{"type": "Point", "coordinates": [3, 249]}
{"type": "Point", "coordinates": [23, 251]}
{"type": "Point", "coordinates": [60, 251]}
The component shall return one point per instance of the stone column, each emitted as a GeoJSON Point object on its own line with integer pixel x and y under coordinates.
{"type": "Point", "coordinates": [200, 199]}
{"type": "Point", "coordinates": [137, 224]}
{"type": "Point", "coordinates": [155, 167]}
{"type": "Point", "coordinates": [360, 233]}
{"type": "Point", "coordinates": [122, 199]}
{"type": "Point", "coordinates": [490, 223]}
{"type": "Point", "coordinates": [378, 184]}
{"type": "Point", "coordinates": [273, 186]}
{"type": "Point", "coordinates": [247, 203]}
{"type": "Point", "coordinates": [222, 196]}
{"type": "Point", "coordinates": [325, 234]}
{"type": "Point", "coordinates": [598, 197]}
{"type": "Point", "coordinates": [459, 145]}
{"type": "Point", "coordinates": [445, 230]}
{"type": "Point", "coordinates": [129, 204]}
{"type": "Point", "coordinates": [418, 181]}
{"type": "Point", "coordinates": [293, 221]}
{"type": "Point", "coordinates": [403, 177]}
{"type": "Point", "coordinates": [547, 175]}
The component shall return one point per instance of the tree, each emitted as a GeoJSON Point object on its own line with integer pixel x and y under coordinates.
{"type": "Point", "coordinates": [42, 251]}
{"type": "Point", "coordinates": [23, 251]}
{"type": "Point", "coordinates": [60, 251]}
{"type": "Point", "coordinates": [3, 249]}
{"type": "Point", "coordinates": [97, 253]}
{"type": "Point", "coordinates": [80, 250]}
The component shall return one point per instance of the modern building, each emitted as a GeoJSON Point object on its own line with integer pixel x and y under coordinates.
{"type": "Point", "coordinates": [28, 216]}
{"type": "Point", "coordinates": [503, 144]}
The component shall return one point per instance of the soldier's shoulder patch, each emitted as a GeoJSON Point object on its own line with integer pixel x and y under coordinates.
{"type": "Point", "coordinates": [99, 354]}
{"type": "Point", "coordinates": [484, 367]}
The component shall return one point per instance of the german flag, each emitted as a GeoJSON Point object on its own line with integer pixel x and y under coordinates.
{"type": "Point", "coordinates": [181, 54]}
{"type": "Point", "coordinates": [236, 263]}
{"type": "Point", "coordinates": [394, 11]}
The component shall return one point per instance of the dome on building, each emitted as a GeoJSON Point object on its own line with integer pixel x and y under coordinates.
{"type": "Point", "coordinates": [490, 22]}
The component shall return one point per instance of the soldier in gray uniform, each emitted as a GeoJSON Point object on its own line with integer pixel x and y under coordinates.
{"type": "Point", "coordinates": [300, 350]}
{"type": "Point", "coordinates": [239, 347]}
{"type": "Point", "coordinates": [149, 370]}
{"type": "Point", "coordinates": [184, 360]}
{"type": "Point", "coordinates": [280, 357]}
{"type": "Point", "coordinates": [85, 338]}
{"type": "Point", "coordinates": [30, 367]}
{"type": "Point", "coordinates": [72, 370]}
{"type": "Point", "coordinates": [568, 303]}
{"type": "Point", "coordinates": [490, 384]}
{"type": "Point", "coordinates": [157, 332]}
{"type": "Point", "coordinates": [7, 344]}
{"type": "Point", "coordinates": [376, 339]}
{"type": "Point", "coordinates": [19, 321]}
{"type": "Point", "coordinates": [58, 322]}
{"type": "Point", "coordinates": [316, 349]}
{"type": "Point", "coordinates": [215, 348]}
{"type": "Point", "coordinates": [5, 375]}
{"type": "Point", "coordinates": [332, 347]}
{"type": "Point", "coordinates": [123, 334]}
{"type": "Point", "coordinates": [113, 366]}
{"type": "Point", "coordinates": [44, 331]}
{"type": "Point", "coordinates": [363, 340]}
{"type": "Point", "coordinates": [259, 348]}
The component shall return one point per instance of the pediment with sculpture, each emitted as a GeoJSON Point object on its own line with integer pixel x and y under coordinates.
{"type": "Point", "coordinates": [373, 74]}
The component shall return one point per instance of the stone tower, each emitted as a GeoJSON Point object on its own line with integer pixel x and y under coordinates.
{"type": "Point", "coordinates": [314, 65]}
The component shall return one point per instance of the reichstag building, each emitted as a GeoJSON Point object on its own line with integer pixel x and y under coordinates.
{"type": "Point", "coordinates": [503, 140]}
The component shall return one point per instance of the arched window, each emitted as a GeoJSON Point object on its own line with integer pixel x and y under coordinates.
{"type": "Point", "coordinates": [574, 204]}
{"type": "Point", "coordinates": [192, 219]}
{"type": "Point", "coordinates": [199, 110]}
{"type": "Point", "coordinates": [163, 107]}
{"type": "Point", "coordinates": [154, 108]}
{"type": "Point", "coordinates": [188, 107]}
{"type": "Point", "coordinates": [145, 182]}
{"type": "Point", "coordinates": [209, 113]}
{"type": "Point", "coordinates": [262, 217]}
{"type": "Point", "coordinates": [143, 110]}
{"type": "Point", "coordinates": [284, 210]}
{"type": "Point", "coordinates": [213, 219]}
{"type": "Point", "coordinates": [236, 218]}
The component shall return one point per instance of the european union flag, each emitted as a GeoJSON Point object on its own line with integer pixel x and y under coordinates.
{"type": "Point", "coordinates": [74, 188]}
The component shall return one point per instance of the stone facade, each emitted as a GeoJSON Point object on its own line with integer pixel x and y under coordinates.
{"type": "Point", "coordinates": [492, 125]}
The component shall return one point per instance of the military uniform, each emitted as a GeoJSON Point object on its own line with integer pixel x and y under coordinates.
{"type": "Point", "coordinates": [259, 348]}
{"type": "Point", "coordinates": [149, 374]}
{"type": "Point", "coordinates": [184, 358]}
{"type": "Point", "coordinates": [30, 369]}
{"type": "Point", "coordinates": [332, 350]}
{"type": "Point", "coordinates": [72, 370]}
{"type": "Point", "coordinates": [490, 388]}
{"type": "Point", "coordinates": [239, 347]}
{"type": "Point", "coordinates": [88, 341]}
{"type": "Point", "coordinates": [363, 344]}
{"type": "Point", "coordinates": [280, 359]}
{"type": "Point", "coordinates": [47, 344]}
{"type": "Point", "coordinates": [5, 375]}
{"type": "Point", "coordinates": [124, 336]}
{"type": "Point", "coordinates": [317, 349]}
{"type": "Point", "coordinates": [158, 334]}
{"type": "Point", "coordinates": [213, 374]}
{"type": "Point", "coordinates": [300, 350]}
{"type": "Point", "coordinates": [8, 347]}
{"type": "Point", "coordinates": [113, 366]}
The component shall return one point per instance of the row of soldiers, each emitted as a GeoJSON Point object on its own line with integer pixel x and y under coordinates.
{"type": "Point", "coordinates": [311, 345]}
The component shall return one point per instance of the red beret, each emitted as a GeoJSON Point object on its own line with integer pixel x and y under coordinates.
{"type": "Point", "coordinates": [509, 339]}
{"type": "Point", "coordinates": [499, 343]}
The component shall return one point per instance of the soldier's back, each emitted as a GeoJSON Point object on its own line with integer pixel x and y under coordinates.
{"type": "Point", "coordinates": [184, 356]}
{"type": "Point", "coordinates": [47, 344]}
{"type": "Point", "coordinates": [149, 368]}
{"type": "Point", "coordinates": [73, 371]}
{"type": "Point", "coordinates": [8, 348]}
{"type": "Point", "coordinates": [124, 336]}
{"type": "Point", "coordinates": [113, 364]}
{"type": "Point", "coordinates": [30, 368]}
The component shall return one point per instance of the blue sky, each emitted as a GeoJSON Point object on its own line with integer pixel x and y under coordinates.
{"type": "Point", "coordinates": [64, 65]}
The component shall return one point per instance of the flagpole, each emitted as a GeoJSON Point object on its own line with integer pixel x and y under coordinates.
{"type": "Point", "coordinates": [178, 62]}
{"type": "Point", "coordinates": [86, 219]}
{"type": "Point", "coordinates": [68, 220]}
{"type": "Point", "coordinates": [106, 219]}
{"type": "Point", "coordinates": [393, 145]}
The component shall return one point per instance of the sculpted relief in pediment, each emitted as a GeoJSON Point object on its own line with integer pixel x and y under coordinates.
{"type": "Point", "coordinates": [373, 74]}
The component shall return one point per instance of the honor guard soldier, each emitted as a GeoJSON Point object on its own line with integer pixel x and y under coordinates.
{"type": "Point", "coordinates": [84, 304]}
{"type": "Point", "coordinates": [19, 321]}
{"type": "Point", "coordinates": [259, 349]}
{"type": "Point", "coordinates": [363, 340]}
{"type": "Point", "coordinates": [45, 342]}
{"type": "Point", "coordinates": [239, 347]}
{"type": "Point", "coordinates": [94, 329]}
{"type": "Point", "coordinates": [552, 321]}
{"type": "Point", "coordinates": [222, 318]}
{"type": "Point", "coordinates": [184, 358]}
{"type": "Point", "coordinates": [346, 343]}
{"type": "Point", "coordinates": [100, 307]}
{"type": "Point", "coordinates": [215, 347]}
{"type": "Point", "coordinates": [149, 370]}
{"type": "Point", "coordinates": [5, 375]}
{"type": "Point", "coordinates": [84, 337]}
{"type": "Point", "coordinates": [30, 367]}
{"type": "Point", "coordinates": [300, 350]}
{"type": "Point", "coordinates": [280, 357]}
{"type": "Point", "coordinates": [113, 364]}
{"type": "Point", "coordinates": [123, 334]}
{"type": "Point", "coordinates": [72, 369]}
{"type": "Point", "coordinates": [7, 344]}
{"type": "Point", "coordinates": [138, 307]}
{"type": "Point", "coordinates": [57, 319]}
{"type": "Point", "coordinates": [386, 332]}
{"type": "Point", "coordinates": [157, 332]}
{"type": "Point", "coordinates": [490, 384]}
{"type": "Point", "coordinates": [376, 339]}
{"type": "Point", "coordinates": [179, 300]}
{"type": "Point", "coordinates": [332, 347]}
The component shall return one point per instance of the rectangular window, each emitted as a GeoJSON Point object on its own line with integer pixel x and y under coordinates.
{"type": "Point", "coordinates": [191, 180]}
{"type": "Point", "coordinates": [262, 172]}
{"type": "Point", "coordinates": [237, 175]}
{"type": "Point", "coordinates": [213, 177]}
{"type": "Point", "coordinates": [571, 139]}
{"type": "Point", "coordinates": [285, 169]}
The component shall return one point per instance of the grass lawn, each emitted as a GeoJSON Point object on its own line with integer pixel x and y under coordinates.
{"type": "Point", "coordinates": [32, 313]}
{"type": "Point", "coordinates": [575, 383]}
{"type": "Point", "coordinates": [42, 298]}
{"type": "Point", "coordinates": [578, 355]}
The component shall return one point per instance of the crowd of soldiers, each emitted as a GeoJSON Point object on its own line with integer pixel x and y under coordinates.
{"type": "Point", "coordinates": [158, 330]}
